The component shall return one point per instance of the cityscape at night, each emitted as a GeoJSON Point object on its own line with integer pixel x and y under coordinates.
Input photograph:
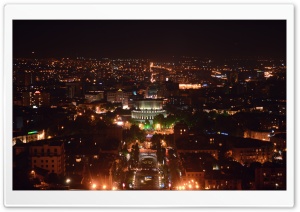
{"type": "Point", "coordinates": [149, 105]}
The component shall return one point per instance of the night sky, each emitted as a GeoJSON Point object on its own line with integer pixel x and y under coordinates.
{"type": "Point", "coordinates": [149, 38]}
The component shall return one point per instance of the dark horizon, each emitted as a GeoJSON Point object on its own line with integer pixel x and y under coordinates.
{"type": "Point", "coordinates": [219, 39]}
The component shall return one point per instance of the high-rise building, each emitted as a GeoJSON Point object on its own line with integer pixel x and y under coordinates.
{"type": "Point", "coordinates": [35, 99]}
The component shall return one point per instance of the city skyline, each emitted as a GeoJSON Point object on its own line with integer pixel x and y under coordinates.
{"type": "Point", "coordinates": [154, 39]}
{"type": "Point", "coordinates": [195, 105]}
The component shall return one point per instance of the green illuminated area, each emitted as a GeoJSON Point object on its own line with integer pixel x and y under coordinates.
{"type": "Point", "coordinates": [32, 132]}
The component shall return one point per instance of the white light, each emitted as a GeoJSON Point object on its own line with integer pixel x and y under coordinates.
{"type": "Point", "coordinates": [120, 123]}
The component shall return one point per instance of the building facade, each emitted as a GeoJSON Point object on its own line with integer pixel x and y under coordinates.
{"type": "Point", "coordinates": [247, 155]}
{"type": "Point", "coordinates": [48, 155]}
{"type": "Point", "coordinates": [35, 99]}
{"type": "Point", "coordinates": [119, 96]}
{"type": "Point", "coordinates": [29, 136]}
{"type": "Point", "coordinates": [147, 109]}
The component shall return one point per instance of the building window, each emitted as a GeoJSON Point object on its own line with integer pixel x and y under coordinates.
{"type": "Point", "coordinates": [52, 166]}
{"type": "Point", "coordinates": [42, 161]}
{"type": "Point", "coordinates": [52, 161]}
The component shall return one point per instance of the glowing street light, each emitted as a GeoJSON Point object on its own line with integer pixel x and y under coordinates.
{"type": "Point", "coordinates": [158, 126]}
{"type": "Point", "coordinates": [94, 186]}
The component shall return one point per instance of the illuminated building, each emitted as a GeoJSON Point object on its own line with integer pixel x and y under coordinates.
{"type": "Point", "coordinates": [119, 96]}
{"type": "Point", "coordinates": [48, 155]}
{"type": "Point", "coordinates": [193, 178]}
{"type": "Point", "coordinates": [250, 154]}
{"type": "Point", "coordinates": [147, 109]}
{"type": "Point", "coordinates": [29, 136]}
{"type": "Point", "coordinates": [259, 135]}
{"type": "Point", "coordinates": [36, 99]}
{"type": "Point", "coordinates": [189, 86]}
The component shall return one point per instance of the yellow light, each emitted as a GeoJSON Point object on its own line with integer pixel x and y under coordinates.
{"type": "Point", "coordinates": [104, 186]}
{"type": "Point", "coordinates": [94, 186]}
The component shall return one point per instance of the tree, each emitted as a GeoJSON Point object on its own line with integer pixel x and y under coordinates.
{"type": "Point", "coordinates": [170, 120]}
{"type": "Point", "coordinates": [159, 119]}
{"type": "Point", "coordinates": [133, 134]}
{"type": "Point", "coordinates": [136, 152]}
{"type": "Point", "coordinates": [147, 124]}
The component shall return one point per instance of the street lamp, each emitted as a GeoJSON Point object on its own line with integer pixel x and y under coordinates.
{"type": "Point", "coordinates": [94, 186]}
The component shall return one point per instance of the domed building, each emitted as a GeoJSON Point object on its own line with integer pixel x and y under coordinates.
{"type": "Point", "coordinates": [147, 109]}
